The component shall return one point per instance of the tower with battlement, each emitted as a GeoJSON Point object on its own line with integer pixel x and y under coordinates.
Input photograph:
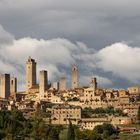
{"type": "Point", "coordinates": [30, 73]}
{"type": "Point", "coordinates": [43, 82]}
{"type": "Point", "coordinates": [5, 85]}
{"type": "Point", "coordinates": [13, 85]}
{"type": "Point", "coordinates": [62, 84]}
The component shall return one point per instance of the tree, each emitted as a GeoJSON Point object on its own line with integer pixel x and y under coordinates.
{"type": "Point", "coordinates": [71, 133]}
{"type": "Point", "coordinates": [87, 112]}
{"type": "Point", "coordinates": [109, 129]}
{"type": "Point", "coordinates": [110, 110]}
{"type": "Point", "coordinates": [38, 128]}
{"type": "Point", "coordinates": [48, 129]}
{"type": "Point", "coordinates": [83, 135]}
{"type": "Point", "coordinates": [2, 135]}
{"type": "Point", "coordinates": [11, 123]}
{"type": "Point", "coordinates": [54, 134]}
{"type": "Point", "coordinates": [138, 115]}
{"type": "Point", "coordinates": [95, 137]}
{"type": "Point", "coordinates": [98, 129]}
{"type": "Point", "coordinates": [105, 130]}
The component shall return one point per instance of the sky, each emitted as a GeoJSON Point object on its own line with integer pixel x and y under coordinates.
{"type": "Point", "coordinates": [101, 37]}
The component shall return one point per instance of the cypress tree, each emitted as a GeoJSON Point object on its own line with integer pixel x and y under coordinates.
{"type": "Point", "coordinates": [71, 133]}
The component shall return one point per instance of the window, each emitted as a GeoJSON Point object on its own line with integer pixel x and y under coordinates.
{"type": "Point", "coordinates": [12, 82]}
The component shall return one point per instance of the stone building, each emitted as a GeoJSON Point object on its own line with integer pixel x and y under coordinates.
{"type": "Point", "coordinates": [93, 83]}
{"type": "Point", "coordinates": [5, 85]}
{"type": "Point", "coordinates": [61, 114]}
{"type": "Point", "coordinates": [55, 85]}
{"type": "Point", "coordinates": [90, 123]}
{"type": "Point", "coordinates": [125, 120]}
{"type": "Point", "coordinates": [133, 90]}
{"type": "Point", "coordinates": [30, 73]}
{"type": "Point", "coordinates": [13, 85]}
{"type": "Point", "coordinates": [74, 77]}
{"type": "Point", "coordinates": [124, 100]}
{"type": "Point", "coordinates": [123, 93]}
{"type": "Point", "coordinates": [62, 84]}
{"type": "Point", "coordinates": [43, 82]}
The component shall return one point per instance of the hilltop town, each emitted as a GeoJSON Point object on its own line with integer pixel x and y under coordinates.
{"type": "Point", "coordinates": [85, 107]}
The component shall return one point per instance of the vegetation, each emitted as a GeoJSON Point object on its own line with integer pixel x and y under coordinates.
{"type": "Point", "coordinates": [83, 135]}
{"type": "Point", "coordinates": [71, 132]}
{"type": "Point", "coordinates": [138, 115]}
{"type": "Point", "coordinates": [73, 99]}
{"type": "Point", "coordinates": [129, 136]}
{"type": "Point", "coordinates": [14, 126]}
{"type": "Point", "coordinates": [11, 124]}
{"type": "Point", "coordinates": [105, 131]}
{"type": "Point", "coordinates": [89, 112]}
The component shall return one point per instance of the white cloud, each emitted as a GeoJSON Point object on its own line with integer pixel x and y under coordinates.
{"type": "Point", "coordinates": [57, 55]}
{"type": "Point", "coordinates": [120, 59]}
{"type": "Point", "coordinates": [52, 55]}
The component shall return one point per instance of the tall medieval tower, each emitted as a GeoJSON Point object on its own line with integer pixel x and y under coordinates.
{"type": "Point", "coordinates": [5, 85]}
{"type": "Point", "coordinates": [30, 73]}
{"type": "Point", "coordinates": [43, 82]}
{"type": "Point", "coordinates": [74, 77]}
{"type": "Point", "coordinates": [13, 85]}
{"type": "Point", "coordinates": [93, 83]}
{"type": "Point", "coordinates": [62, 84]}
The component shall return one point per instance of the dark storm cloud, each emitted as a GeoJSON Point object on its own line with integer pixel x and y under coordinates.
{"type": "Point", "coordinates": [97, 23]}
{"type": "Point", "coordinates": [5, 37]}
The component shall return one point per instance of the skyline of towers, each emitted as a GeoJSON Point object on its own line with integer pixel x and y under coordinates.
{"type": "Point", "coordinates": [8, 85]}
{"type": "Point", "coordinates": [30, 73]}
{"type": "Point", "coordinates": [74, 77]}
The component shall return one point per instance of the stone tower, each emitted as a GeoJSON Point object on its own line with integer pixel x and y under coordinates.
{"type": "Point", "coordinates": [55, 85]}
{"type": "Point", "coordinates": [93, 83]}
{"type": "Point", "coordinates": [43, 82]}
{"type": "Point", "coordinates": [13, 85]}
{"type": "Point", "coordinates": [74, 77]}
{"type": "Point", "coordinates": [30, 73]}
{"type": "Point", "coordinates": [62, 84]}
{"type": "Point", "coordinates": [5, 85]}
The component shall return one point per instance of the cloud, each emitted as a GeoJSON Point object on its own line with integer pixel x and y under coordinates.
{"type": "Point", "coordinates": [55, 55]}
{"type": "Point", "coordinates": [117, 61]}
{"type": "Point", "coordinates": [94, 22]}
{"type": "Point", "coordinates": [120, 59]}
{"type": "Point", "coordinates": [5, 37]}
